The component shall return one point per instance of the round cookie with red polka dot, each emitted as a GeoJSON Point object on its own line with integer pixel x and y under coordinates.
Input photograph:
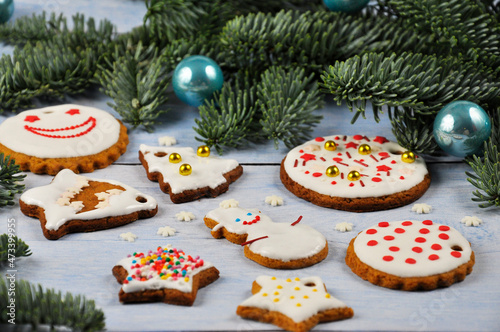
{"type": "Point", "coordinates": [355, 173]}
{"type": "Point", "coordinates": [410, 255]}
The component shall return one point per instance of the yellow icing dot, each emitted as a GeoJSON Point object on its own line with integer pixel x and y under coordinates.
{"type": "Point", "coordinates": [264, 294]}
{"type": "Point", "coordinates": [297, 288]}
{"type": "Point", "coordinates": [306, 297]}
{"type": "Point", "coordinates": [186, 279]}
{"type": "Point", "coordinates": [279, 287]}
{"type": "Point", "coordinates": [273, 278]}
{"type": "Point", "coordinates": [276, 300]}
{"type": "Point", "coordinates": [297, 279]}
{"type": "Point", "coordinates": [292, 297]}
{"type": "Point", "coordinates": [327, 296]}
{"type": "Point", "coordinates": [163, 277]}
{"type": "Point", "coordinates": [288, 280]}
{"type": "Point", "coordinates": [315, 290]}
{"type": "Point", "coordinates": [276, 293]}
{"type": "Point", "coordinates": [299, 305]}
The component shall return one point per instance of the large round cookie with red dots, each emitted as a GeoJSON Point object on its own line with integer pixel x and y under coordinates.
{"type": "Point", "coordinates": [76, 137]}
{"type": "Point", "coordinates": [354, 173]}
{"type": "Point", "coordinates": [410, 255]}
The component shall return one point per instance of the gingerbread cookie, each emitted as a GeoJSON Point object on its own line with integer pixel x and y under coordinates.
{"type": "Point", "coordinates": [188, 175]}
{"type": "Point", "coordinates": [166, 274]}
{"type": "Point", "coordinates": [354, 173]}
{"type": "Point", "coordinates": [49, 139]}
{"type": "Point", "coordinates": [74, 203]}
{"type": "Point", "coordinates": [274, 245]}
{"type": "Point", "coordinates": [410, 255]}
{"type": "Point", "coordinates": [294, 305]}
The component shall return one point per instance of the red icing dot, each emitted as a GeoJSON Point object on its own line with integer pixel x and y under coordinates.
{"type": "Point", "coordinates": [424, 231]}
{"type": "Point", "coordinates": [427, 222]}
{"type": "Point", "coordinates": [417, 249]}
{"type": "Point", "coordinates": [401, 177]}
{"type": "Point", "coordinates": [73, 111]}
{"type": "Point", "coordinates": [317, 174]}
{"type": "Point", "coordinates": [420, 240]}
{"type": "Point", "coordinates": [319, 139]}
{"type": "Point", "coordinates": [371, 231]}
{"type": "Point", "coordinates": [340, 153]}
{"type": "Point", "coordinates": [376, 179]}
{"type": "Point", "coordinates": [383, 154]}
{"type": "Point", "coordinates": [436, 246]}
{"type": "Point", "coordinates": [301, 151]}
{"type": "Point", "coordinates": [334, 182]}
{"type": "Point", "coordinates": [407, 223]}
{"type": "Point", "coordinates": [394, 248]}
{"type": "Point", "coordinates": [444, 228]}
{"type": "Point", "coordinates": [433, 257]}
{"type": "Point", "coordinates": [387, 258]}
{"type": "Point", "coordinates": [410, 261]}
{"type": "Point", "coordinates": [357, 137]}
{"type": "Point", "coordinates": [351, 184]}
{"type": "Point", "coordinates": [307, 172]}
{"type": "Point", "coordinates": [443, 236]}
{"type": "Point", "coordinates": [399, 230]}
{"type": "Point", "coordinates": [383, 224]}
{"type": "Point", "coordinates": [393, 162]}
{"type": "Point", "coordinates": [456, 254]}
{"type": "Point", "coordinates": [372, 243]}
{"type": "Point", "coordinates": [388, 237]}
{"type": "Point", "coordinates": [336, 137]}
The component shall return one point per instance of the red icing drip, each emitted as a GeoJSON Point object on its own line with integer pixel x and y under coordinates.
{"type": "Point", "coordinates": [296, 221]}
{"type": "Point", "coordinates": [252, 241]}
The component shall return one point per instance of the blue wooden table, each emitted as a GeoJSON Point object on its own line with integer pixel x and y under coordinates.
{"type": "Point", "coordinates": [81, 263]}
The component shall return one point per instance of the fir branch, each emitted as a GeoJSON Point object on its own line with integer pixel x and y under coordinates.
{"type": "Point", "coordinates": [10, 180]}
{"type": "Point", "coordinates": [41, 307]}
{"type": "Point", "coordinates": [226, 121]}
{"type": "Point", "coordinates": [137, 85]}
{"type": "Point", "coordinates": [21, 248]}
{"type": "Point", "coordinates": [413, 132]}
{"type": "Point", "coordinates": [287, 100]}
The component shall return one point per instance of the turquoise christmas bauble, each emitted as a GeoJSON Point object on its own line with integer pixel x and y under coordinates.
{"type": "Point", "coordinates": [196, 78]}
{"type": "Point", "coordinates": [346, 6]}
{"type": "Point", "coordinates": [461, 127]}
{"type": "Point", "coordinates": [6, 10]}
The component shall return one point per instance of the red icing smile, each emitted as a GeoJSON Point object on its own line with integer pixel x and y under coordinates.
{"type": "Point", "coordinates": [85, 127]}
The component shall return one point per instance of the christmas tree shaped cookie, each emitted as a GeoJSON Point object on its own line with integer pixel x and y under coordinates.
{"type": "Point", "coordinates": [292, 304]}
{"type": "Point", "coordinates": [354, 173]}
{"type": "Point", "coordinates": [274, 245]}
{"type": "Point", "coordinates": [76, 137]}
{"type": "Point", "coordinates": [188, 175]}
{"type": "Point", "coordinates": [74, 203]}
{"type": "Point", "coordinates": [165, 275]}
{"type": "Point", "coordinates": [410, 255]}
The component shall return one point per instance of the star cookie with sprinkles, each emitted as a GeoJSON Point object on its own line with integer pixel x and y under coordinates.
{"type": "Point", "coordinates": [292, 304]}
{"type": "Point", "coordinates": [187, 175]}
{"type": "Point", "coordinates": [73, 203]}
{"type": "Point", "coordinates": [166, 275]}
{"type": "Point", "coordinates": [354, 173]}
{"type": "Point", "coordinates": [410, 255]}
{"type": "Point", "coordinates": [274, 245]}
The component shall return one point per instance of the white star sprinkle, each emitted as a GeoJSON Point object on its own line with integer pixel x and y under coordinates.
{"type": "Point", "coordinates": [274, 200]}
{"type": "Point", "coordinates": [63, 201]}
{"type": "Point", "coordinates": [167, 140]}
{"type": "Point", "coordinates": [185, 216]}
{"type": "Point", "coordinates": [229, 203]}
{"type": "Point", "coordinates": [471, 221]}
{"type": "Point", "coordinates": [421, 208]}
{"type": "Point", "coordinates": [77, 205]}
{"type": "Point", "coordinates": [344, 226]}
{"type": "Point", "coordinates": [166, 231]}
{"type": "Point", "coordinates": [130, 237]}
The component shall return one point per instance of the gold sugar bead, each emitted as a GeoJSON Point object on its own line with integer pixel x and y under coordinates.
{"type": "Point", "coordinates": [174, 158]}
{"type": "Point", "coordinates": [203, 151]}
{"type": "Point", "coordinates": [353, 176]}
{"type": "Point", "coordinates": [332, 171]}
{"type": "Point", "coordinates": [364, 149]}
{"type": "Point", "coordinates": [330, 146]}
{"type": "Point", "coordinates": [185, 169]}
{"type": "Point", "coordinates": [408, 157]}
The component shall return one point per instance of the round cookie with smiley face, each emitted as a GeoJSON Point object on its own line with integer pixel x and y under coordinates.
{"type": "Point", "coordinates": [76, 137]}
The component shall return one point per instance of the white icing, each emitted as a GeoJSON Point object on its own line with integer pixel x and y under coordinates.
{"type": "Point", "coordinates": [166, 231]}
{"type": "Point", "coordinates": [206, 171]}
{"type": "Point", "coordinates": [344, 226]}
{"type": "Point", "coordinates": [47, 197]}
{"type": "Point", "coordinates": [402, 176]}
{"type": "Point", "coordinates": [98, 131]}
{"type": "Point", "coordinates": [293, 297]}
{"type": "Point", "coordinates": [229, 203]}
{"type": "Point", "coordinates": [283, 242]}
{"type": "Point", "coordinates": [421, 208]}
{"type": "Point", "coordinates": [372, 255]}
{"type": "Point", "coordinates": [274, 200]}
{"type": "Point", "coordinates": [129, 236]}
{"type": "Point", "coordinates": [185, 216]}
{"type": "Point", "coordinates": [155, 281]}
{"type": "Point", "coordinates": [471, 221]}
{"type": "Point", "coordinates": [167, 140]}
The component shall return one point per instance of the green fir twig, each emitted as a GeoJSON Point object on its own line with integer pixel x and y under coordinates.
{"type": "Point", "coordinates": [10, 180]}
{"type": "Point", "coordinates": [20, 247]}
